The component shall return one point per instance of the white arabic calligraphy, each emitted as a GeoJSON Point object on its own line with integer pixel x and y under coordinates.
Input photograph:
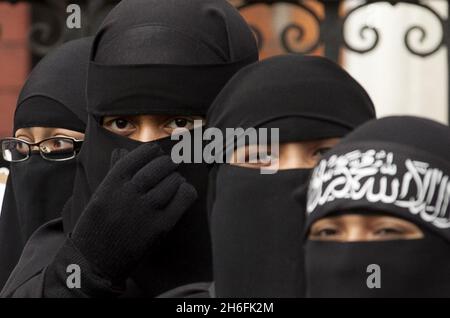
{"type": "Point", "coordinates": [374, 176]}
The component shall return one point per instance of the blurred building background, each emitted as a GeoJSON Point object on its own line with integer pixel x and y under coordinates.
{"type": "Point", "coordinates": [396, 49]}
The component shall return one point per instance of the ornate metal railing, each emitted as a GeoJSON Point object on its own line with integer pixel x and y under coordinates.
{"type": "Point", "coordinates": [48, 26]}
{"type": "Point", "coordinates": [331, 27]}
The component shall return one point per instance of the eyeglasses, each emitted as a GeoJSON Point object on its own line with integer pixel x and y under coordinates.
{"type": "Point", "coordinates": [51, 149]}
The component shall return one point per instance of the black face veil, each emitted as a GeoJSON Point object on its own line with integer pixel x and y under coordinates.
{"type": "Point", "coordinates": [53, 96]}
{"type": "Point", "coordinates": [397, 166]}
{"type": "Point", "coordinates": [256, 225]}
{"type": "Point", "coordinates": [170, 58]}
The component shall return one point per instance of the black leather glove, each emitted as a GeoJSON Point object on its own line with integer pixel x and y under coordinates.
{"type": "Point", "coordinates": [140, 200]}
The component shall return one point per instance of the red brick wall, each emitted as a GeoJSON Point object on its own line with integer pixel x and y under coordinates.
{"type": "Point", "coordinates": [14, 59]}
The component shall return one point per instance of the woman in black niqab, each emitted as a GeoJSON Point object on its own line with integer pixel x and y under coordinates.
{"type": "Point", "coordinates": [256, 224]}
{"type": "Point", "coordinates": [37, 189]}
{"type": "Point", "coordinates": [378, 213]}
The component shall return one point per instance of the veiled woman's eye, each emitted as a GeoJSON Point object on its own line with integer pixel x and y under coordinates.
{"type": "Point", "coordinates": [389, 228]}
{"type": "Point", "coordinates": [181, 122]}
{"type": "Point", "coordinates": [21, 146]}
{"type": "Point", "coordinates": [57, 143]}
{"type": "Point", "coordinates": [119, 125]}
{"type": "Point", "coordinates": [388, 231]}
{"type": "Point", "coordinates": [325, 232]}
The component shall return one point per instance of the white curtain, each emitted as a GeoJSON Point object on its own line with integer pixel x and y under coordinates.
{"type": "Point", "coordinates": [398, 81]}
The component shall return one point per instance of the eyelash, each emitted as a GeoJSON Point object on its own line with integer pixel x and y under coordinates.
{"type": "Point", "coordinates": [321, 232]}
{"type": "Point", "coordinates": [114, 120]}
{"type": "Point", "coordinates": [189, 121]}
{"type": "Point", "coordinates": [389, 230]}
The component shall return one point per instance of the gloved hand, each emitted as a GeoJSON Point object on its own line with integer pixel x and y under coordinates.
{"type": "Point", "coordinates": [140, 200]}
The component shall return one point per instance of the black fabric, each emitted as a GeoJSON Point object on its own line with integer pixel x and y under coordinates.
{"type": "Point", "coordinates": [43, 111]}
{"type": "Point", "coordinates": [408, 268]}
{"type": "Point", "coordinates": [41, 188]}
{"type": "Point", "coordinates": [156, 80]}
{"type": "Point", "coordinates": [256, 225]}
{"type": "Point", "coordinates": [161, 89]}
{"type": "Point", "coordinates": [166, 61]}
{"type": "Point", "coordinates": [397, 166]}
{"type": "Point", "coordinates": [37, 190]}
{"type": "Point", "coordinates": [27, 278]}
{"type": "Point", "coordinates": [196, 290]}
{"type": "Point", "coordinates": [323, 93]}
{"type": "Point", "coordinates": [201, 32]}
{"type": "Point", "coordinates": [11, 241]}
{"type": "Point", "coordinates": [58, 86]}
{"type": "Point", "coordinates": [3, 163]}
{"type": "Point", "coordinates": [419, 133]}
{"type": "Point", "coordinates": [300, 128]}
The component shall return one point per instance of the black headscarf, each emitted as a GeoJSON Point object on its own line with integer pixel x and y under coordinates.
{"type": "Point", "coordinates": [160, 57]}
{"type": "Point", "coordinates": [256, 224]}
{"type": "Point", "coordinates": [399, 166]}
{"type": "Point", "coordinates": [53, 96]}
{"type": "Point", "coordinates": [3, 163]}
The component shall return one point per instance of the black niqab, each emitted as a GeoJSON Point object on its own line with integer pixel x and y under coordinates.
{"type": "Point", "coordinates": [397, 166]}
{"type": "Point", "coordinates": [256, 224]}
{"type": "Point", "coordinates": [53, 96]}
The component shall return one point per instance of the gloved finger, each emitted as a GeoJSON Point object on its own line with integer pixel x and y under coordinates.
{"type": "Point", "coordinates": [185, 196]}
{"type": "Point", "coordinates": [164, 191]}
{"type": "Point", "coordinates": [136, 159]}
{"type": "Point", "coordinates": [153, 172]}
{"type": "Point", "coordinates": [116, 155]}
